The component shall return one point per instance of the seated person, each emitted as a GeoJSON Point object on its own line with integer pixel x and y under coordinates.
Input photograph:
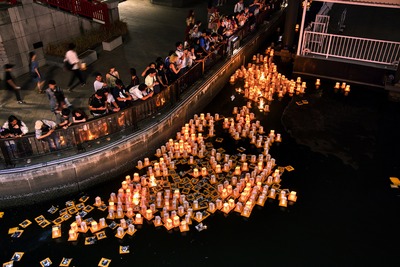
{"type": "Point", "coordinates": [121, 95]}
{"type": "Point", "coordinates": [14, 128]}
{"type": "Point", "coordinates": [139, 92]}
{"type": "Point", "coordinates": [97, 104]}
{"type": "Point", "coordinates": [78, 115]}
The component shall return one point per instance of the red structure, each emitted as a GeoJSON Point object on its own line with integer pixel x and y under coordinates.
{"type": "Point", "coordinates": [93, 9]}
{"type": "Point", "coordinates": [10, 2]}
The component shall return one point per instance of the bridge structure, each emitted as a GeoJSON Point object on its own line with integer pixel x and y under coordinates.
{"type": "Point", "coordinates": [352, 38]}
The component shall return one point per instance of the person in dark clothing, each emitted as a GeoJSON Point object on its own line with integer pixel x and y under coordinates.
{"type": "Point", "coordinates": [121, 95]}
{"type": "Point", "coordinates": [78, 115]}
{"type": "Point", "coordinates": [162, 75]}
{"type": "Point", "coordinates": [134, 78]}
{"type": "Point", "coordinates": [16, 128]}
{"type": "Point", "coordinates": [98, 103]}
{"type": "Point", "coordinates": [10, 83]}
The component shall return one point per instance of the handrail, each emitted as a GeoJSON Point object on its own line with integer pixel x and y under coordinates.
{"type": "Point", "coordinates": [93, 9]}
{"type": "Point", "coordinates": [80, 137]}
{"type": "Point", "coordinates": [350, 47]}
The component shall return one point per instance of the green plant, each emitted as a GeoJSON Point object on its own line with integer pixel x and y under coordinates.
{"type": "Point", "coordinates": [88, 39]}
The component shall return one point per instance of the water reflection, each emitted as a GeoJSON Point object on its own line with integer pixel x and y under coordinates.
{"type": "Point", "coordinates": [326, 222]}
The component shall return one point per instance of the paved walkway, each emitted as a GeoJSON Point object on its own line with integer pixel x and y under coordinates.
{"type": "Point", "coordinates": [153, 31]}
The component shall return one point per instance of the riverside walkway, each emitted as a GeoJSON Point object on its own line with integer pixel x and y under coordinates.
{"type": "Point", "coordinates": [153, 32]}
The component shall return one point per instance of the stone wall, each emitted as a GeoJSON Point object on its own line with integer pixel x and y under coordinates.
{"type": "Point", "coordinates": [79, 172]}
{"type": "Point", "coordinates": [30, 27]}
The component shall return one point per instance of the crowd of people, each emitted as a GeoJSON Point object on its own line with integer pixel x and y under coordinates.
{"type": "Point", "coordinates": [110, 93]}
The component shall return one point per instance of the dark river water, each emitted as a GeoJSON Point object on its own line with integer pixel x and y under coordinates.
{"type": "Point", "coordinates": [343, 151]}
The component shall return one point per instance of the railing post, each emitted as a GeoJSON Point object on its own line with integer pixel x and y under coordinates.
{"type": "Point", "coordinates": [329, 46]}
{"type": "Point", "coordinates": [6, 155]}
{"type": "Point", "coordinates": [305, 2]}
{"type": "Point", "coordinates": [73, 6]}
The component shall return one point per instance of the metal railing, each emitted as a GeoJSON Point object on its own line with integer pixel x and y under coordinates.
{"type": "Point", "coordinates": [352, 48]}
{"type": "Point", "coordinates": [79, 137]}
{"type": "Point", "coordinates": [93, 9]}
{"type": "Point", "coordinates": [10, 2]}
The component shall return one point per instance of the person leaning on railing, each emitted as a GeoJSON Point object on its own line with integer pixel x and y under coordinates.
{"type": "Point", "coordinates": [162, 75]}
{"type": "Point", "coordinates": [44, 130]}
{"type": "Point", "coordinates": [97, 103]}
{"type": "Point", "coordinates": [139, 92]}
{"type": "Point", "coordinates": [151, 81]}
{"type": "Point", "coordinates": [112, 105]}
{"type": "Point", "coordinates": [121, 95]}
{"type": "Point", "coordinates": [78, 115]}
{"type": "Point", "coordinates": [65, 119]}
{"type": "Point", "coordinates": [15, 128]}
{"type": "Point", "coordinates": [173, 70]}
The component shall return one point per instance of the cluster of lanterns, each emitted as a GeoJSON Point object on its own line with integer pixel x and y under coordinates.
{"type": "Point", "coordinates": [343, 88]}
{"type": "Point", "coordinates": [262, 81]}
{"type": "Point", "coordinates": [216, 180]}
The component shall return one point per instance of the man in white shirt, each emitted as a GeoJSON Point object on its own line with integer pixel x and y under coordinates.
{"type": "Point", "coordinates": [238, 7]}
{"type": "Point", "coordinates": [72, 57]}
{"type": "Point", "coordinates": [98, 83]}
{"type": "Point", "coordinates": [139, 92]}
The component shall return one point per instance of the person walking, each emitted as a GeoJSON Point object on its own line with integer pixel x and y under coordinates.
{"type": "Point", "coordinates": [10, 83]}
{"type": "Point", "coordinates": [35, 73]}
{"type": "Point", "coordinates": [73, 64]}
